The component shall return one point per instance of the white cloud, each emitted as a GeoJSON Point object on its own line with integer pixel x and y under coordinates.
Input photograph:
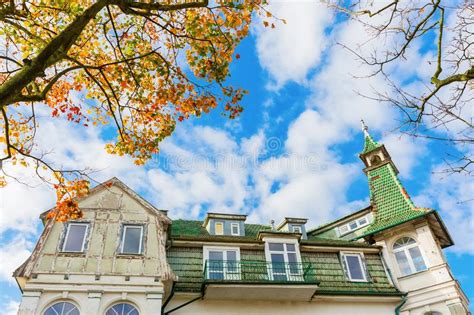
{"type": "Point", "coordinates": [206, 171]}
{"type": "Point", "coordinates": [289, 51]}
{"type": "Point", "coordinates": [452, 196]}
{"type": "Point", "coordinates": [406, 152]}
{"type": "Point", "coordinates": [311, 133]}
{"type": "Point", "coordinates": [11, 308]}
{"type": "Point", "coordinates": [12, 254]}
{"type": "Point", "coordinates": [71, 147]}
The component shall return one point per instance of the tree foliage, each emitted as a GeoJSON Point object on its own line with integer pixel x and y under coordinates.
{"type": "Point", "coordinates": [443, 108]}
{"type": "Point", "coordinates": [140, 66]}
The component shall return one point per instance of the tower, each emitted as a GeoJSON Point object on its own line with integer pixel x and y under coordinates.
{"type": "Point", "coordinates": [412, 239]}
{"type": "Point", "coordinates": [391, 204]}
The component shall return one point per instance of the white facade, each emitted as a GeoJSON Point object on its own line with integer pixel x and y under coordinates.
{"type": "Point", "coordinates": [328, 306]}
{"type": "Point", "coordinates": [433, 289]}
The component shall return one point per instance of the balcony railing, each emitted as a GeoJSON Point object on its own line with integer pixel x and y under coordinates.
{"type": "Point", "coordinates": [258, 271]}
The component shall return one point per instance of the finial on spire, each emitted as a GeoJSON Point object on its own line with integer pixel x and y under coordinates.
{"type": "Point", "coordinates": [365, 129]}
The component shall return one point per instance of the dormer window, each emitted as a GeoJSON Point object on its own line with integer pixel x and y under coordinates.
{"type": "Point", "coordinates": [225, 224]}
{"type": "Point", "coordinates": [353, 225]}
{"type": "Point", "coordinates": [354, 267]}
{"type": "Point", "coordinates": [235, 229]}
{"type": "Point", "coordinates": [293, 225]}
{"type": "Point", "coordinates": [219, 228]}
{"type": "Point", "coordinates": [296, 228]}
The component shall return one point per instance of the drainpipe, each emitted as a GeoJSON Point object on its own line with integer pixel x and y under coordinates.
{"type": "Point", "coordinates": [169, 298]}
{"type": "Point", "coordinates": [203, 289]}
{"type": "Point", "coordinates": [399, 306]}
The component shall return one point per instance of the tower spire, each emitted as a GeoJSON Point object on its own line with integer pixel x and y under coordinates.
{"type": "Point", "coordinates": [369, 143]}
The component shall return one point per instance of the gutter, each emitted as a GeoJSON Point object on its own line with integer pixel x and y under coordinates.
{"type": "Point", "coordinates": [391, 226]}
{"type": "Point", "coordinates": [399, 306]}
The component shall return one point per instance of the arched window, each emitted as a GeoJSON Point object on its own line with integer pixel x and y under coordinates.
{"type": "Point", "coordinates": [62, 308]}
{"type": "Point", "coordinates": [122, 309]}
{"type": "Point", "coordinates": [408, 256]}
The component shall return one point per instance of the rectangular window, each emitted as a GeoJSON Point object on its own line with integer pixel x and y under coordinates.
{"type": "Point", "coordinates": [235, 229]}
{"type": "Point", "coordinates": [219, 228]}
{"type": "Point", "coordinates": [354, 266]}
{"type": "Point", "coordinates": [222, 263]}
{"type": "Point", "coordinates": [343, 229]}
{"type": "Point", "coordinates": [418, 261]}
{"type": "Point", "coordinates": [216, 265]}
{"type": "Point", "coordinates": [296, 229]}
{"type": "Point", "coordinates": [75, 237]}
{"type": "Point", "coordinates": [362, 221]}
{"type": "Point", "coordinates": [403, 263]}
{"type": "Point", "coordinates": [285, 262]}
{"type": "Point", "coordinates": [353, 225]}
{"type": "Point", "coordinates": [132, 239]}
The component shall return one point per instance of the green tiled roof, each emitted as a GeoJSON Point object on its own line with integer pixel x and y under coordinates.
{"type": "Point", "coordinates": [188, 228]}
{"type": "Point", "coordinates": [328, 270]}
{"type": "Point", "coordinates": [369, 143]}
{"type": "Point", "coordinates": [187, 264]}
{"type": "Point", "coordinates": [390, 202]}
{"type": "Point", "coordinates": [194, 229]}
{"type": "Point", "coordinates": [320, 241]}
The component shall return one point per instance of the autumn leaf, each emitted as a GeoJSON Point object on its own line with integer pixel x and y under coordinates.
{"type": "Point", "coordinates": [100, 63]}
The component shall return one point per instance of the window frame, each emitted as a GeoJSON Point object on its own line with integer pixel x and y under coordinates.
{"type": "Point", "coordinates": [293, 227]}
{"type": "Point", "coordinates": [358, 225]}
{"type": "Point", "coordinates": [54, 303]}
{"type": "Point", "coordinates": [215, 228]}
{"type": "Point", "coordinates": [122, 302]}
{"type": "Point", "coordinates": [122, 238]}
{"type": "Point", "coordinates": [268, 256]}
{"type": "Point", "coordinates": [363, 266]}
{"type": "Point", "coordinates": [236, 275]}
{"type": "Point", "coordinates": [66, 235]}
{"type": "Point", "coordinates": [232, 225]}
{"type": "Point", "coordinates": [406, 250]}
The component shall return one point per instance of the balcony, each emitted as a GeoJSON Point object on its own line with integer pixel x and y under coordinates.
{"type": "Point", "coordinates": [259, 280]}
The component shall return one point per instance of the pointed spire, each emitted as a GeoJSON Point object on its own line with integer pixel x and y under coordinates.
{"type": "Point", "coordinates": [369, 143]}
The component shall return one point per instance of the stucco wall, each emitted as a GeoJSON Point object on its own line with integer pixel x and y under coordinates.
{"type": "Point", "coordinates": [106, 212]}
{"type": "Point", "coordinates": [276, 307]}
{"type": "Point", "coordinates": [100, 276]}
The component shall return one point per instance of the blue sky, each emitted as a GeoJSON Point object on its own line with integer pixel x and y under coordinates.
{"type": "Point", "coordinates": [293, 150]}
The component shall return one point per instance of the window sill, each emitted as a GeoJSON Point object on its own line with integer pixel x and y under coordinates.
{"type": "Point", "coordinates": [77, 254]}
{"type": "Point", "coordinates": [413, 274]}
{"type": "Point", "coordinates": [125, 255]}
{"type": "Point", "coordinates": [358, 281]}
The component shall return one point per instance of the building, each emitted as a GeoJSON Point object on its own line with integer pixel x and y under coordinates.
{"type": "Point", "coordinates": [127, 257]}
{"type": "Point", "coordinates": [116, 253]}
